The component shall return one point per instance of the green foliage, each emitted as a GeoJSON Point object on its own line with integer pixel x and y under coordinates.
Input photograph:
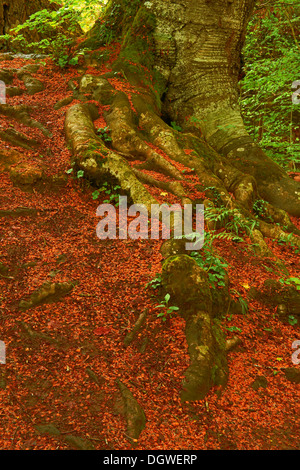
{"type": "Point", "coordinates": [57, 29]}
{"type": "Point", "coordinates": [232, 221]}
{"type": "Point", "coordinates": [288, 242]}
{"type": "Point", "coordinates": [212, 264]}
{"type": "Point", "coordinates": [175, 126]}
{"type": "Point", "coordinates": [243, 303]}
{"type": "Point", "coordinates": [112, 191]}
{"type": "Point", "coordinates": [80, 174]}
{"type": "Point", "coordinates": [272, 61]}
{"type": "Point", "coordinates": [103, 132]}
{"type": "Point", "coordinates": [154, 283]}
{"type": "Point", "coordinates": [166, 310]}
{"type": "Point", "coordinates": [88, 10]}
{"type": "Point", "coordinates": [233, 328]}
{"type": "Point", "coordinates": [259, 207]}
{"type": "Point", "coordinates": [292, 320]}
{"type": "Point", "coordinates": [291, 281]}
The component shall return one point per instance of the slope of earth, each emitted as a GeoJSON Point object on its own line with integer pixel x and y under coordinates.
{"type": "Point", "coordinates": [66, 361]}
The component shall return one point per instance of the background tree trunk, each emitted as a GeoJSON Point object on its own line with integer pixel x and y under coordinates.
{"type": "Point", "coordinates": [16, 12]}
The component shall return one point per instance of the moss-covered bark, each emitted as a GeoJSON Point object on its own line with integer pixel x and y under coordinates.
{"type": "Point", "coordinates": [189, 288]}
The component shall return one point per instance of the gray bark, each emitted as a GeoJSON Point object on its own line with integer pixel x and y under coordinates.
{"type": "Point", "coordinates": [198, 48]}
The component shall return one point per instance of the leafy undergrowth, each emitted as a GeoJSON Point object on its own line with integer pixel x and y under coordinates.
{"type": "Point", "coordinates": [66, 376]}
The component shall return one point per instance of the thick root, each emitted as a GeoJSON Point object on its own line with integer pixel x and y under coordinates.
{"type": "Point", "coordinates": [96, 160]}
{"type": "Point", "coordinates": [22, 114]}
{"type": "Point", "coordinates": [145, 151]}
{"type": "Point", "coordinates": [188, 286]}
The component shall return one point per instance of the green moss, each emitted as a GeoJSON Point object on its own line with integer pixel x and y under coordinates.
{"type": "Point", "coordinates": [218, 334]}
{"type": "Point", "coordinates": [113, 24]}
{"type": "Point", "coordinates": [138, 47]}
{"type": "Point", "coordinates": [132, 24]}
{"type": "Point", "coordinates": [138, 40]}
{"type": "Point", "coordinates": [214, 373]}
{"type": "Point", "coordinates": [187, 283]}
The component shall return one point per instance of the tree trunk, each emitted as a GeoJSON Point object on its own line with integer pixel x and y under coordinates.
{"type": "Point", "coordinates": [16, 12]}
{"type": "Point", "coordinates": [196, 48]}
{"type": "Point", "coordinates": [177, 128]}
{"type": "Point", "coordinates": [205, 42]}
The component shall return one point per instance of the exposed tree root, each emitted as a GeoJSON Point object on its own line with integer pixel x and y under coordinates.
{"type": "Point", "coordinates": [145, 150]}
{"type": "Point", "coordinates": [96, 160]}
{"type": "Point", "coordinates": [188, 286]}
{"type": "Point", "coordinates": [21, 114]}
{"type": "Point", "coordinates": [18, 139]}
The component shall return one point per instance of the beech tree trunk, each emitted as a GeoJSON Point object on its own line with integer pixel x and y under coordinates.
{"type": "Point", "coordinates": [196, 50]}
{"type": "Point", "coordinates": [198, 46]}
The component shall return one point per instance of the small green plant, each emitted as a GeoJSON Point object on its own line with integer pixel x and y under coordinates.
{"type": "Point", "coordinates": [288, 242]}
{"type": "Point", "coordinates": [166, 310]}
{"type": "Point", "coordinates": [291, 281]}
{"type": "Point", "coordinates": [292, 320]}
{"type": "Point", "coordinates": [243, 303]}
{"type": "Point", "coordinates": [80, 174]}
{"type": "Point", "coordinates": [214, 191]}
{"type": "Point", "coordinates": [238, 225]}
{"type": "Point", "coordinates": [259, 207]}
{"type": "Point", "coordinates": [215, 267]}
{"type": "Point", "coordinates": [70, 170]}
{"type": "Point", "coordinates": [231, 220]}
{"type": "Point", "coordinates": [111, 191]}
{"type": "Point", "coordinates": [104, 134]}
{"type": "Point", "coordinates": [154, 283]}
{"type": "Point", "coordinates": [175, 126]}
{"type": "Point", "coordinates": [233, 328]}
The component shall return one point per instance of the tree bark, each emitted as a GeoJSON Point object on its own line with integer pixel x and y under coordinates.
{"type": "Point", "coordinates": [196, 50]}
{"type": "Point", "coordinates": [16, 12]}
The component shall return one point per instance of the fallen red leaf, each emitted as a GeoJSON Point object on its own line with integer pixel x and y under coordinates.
{"type": "Point", "coordinates": [101, 330]}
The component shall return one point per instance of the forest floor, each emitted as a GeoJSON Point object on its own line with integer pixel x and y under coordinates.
{"type": "Point", "coordinates": [59, 386]}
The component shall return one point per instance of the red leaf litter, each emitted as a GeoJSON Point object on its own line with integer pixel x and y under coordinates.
{"type": "Point", "coordinates": [45, 379]}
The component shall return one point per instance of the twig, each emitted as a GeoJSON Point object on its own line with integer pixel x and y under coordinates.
{"type": "Point", "coordinates": [7, 277]}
